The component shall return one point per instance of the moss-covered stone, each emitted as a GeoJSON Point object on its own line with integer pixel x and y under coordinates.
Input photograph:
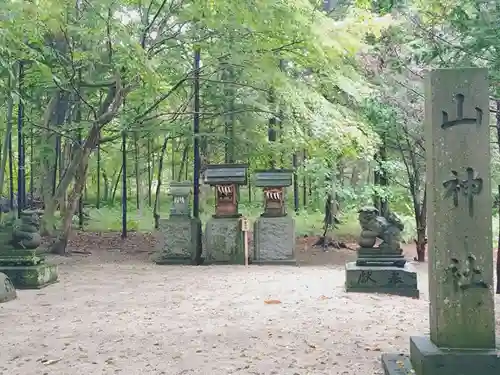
{"type": "Point", "coordinates": [274, 241]}
{"type": "Point", "coordinates": [224, 241]}
{"type": "Point", "coordinates": [31, 277]}
{"type": "Point", "coordinates": [15, 257]}
{"type": "Point", "coordinates": [7, 290]}
{"type": "Point", "coordinates": [178, 240]}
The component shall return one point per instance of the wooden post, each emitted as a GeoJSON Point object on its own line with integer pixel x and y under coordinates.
{"type": "Point", "coordinates": [245, 228]}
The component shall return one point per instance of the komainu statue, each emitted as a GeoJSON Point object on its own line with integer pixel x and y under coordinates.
{"type": "Point", "coordinates": [25, 233]}
{"type": "Point", "coordinates": [386, 229]}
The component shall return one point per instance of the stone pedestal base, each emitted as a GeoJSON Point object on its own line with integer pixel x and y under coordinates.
{"type": "Point", "coordinates": [223, 241]}
{"type": "Point", "coordinates": [178, 240]}
{"type": "Point", "coordinates": [31, 277]}
{"type": "Point", "coordinates": [7, 290]}
{"type": "Point", "coordinates": [374, 279]}
{"type": "Point", "coordinates": [427, 359]}
{"type": "Point", "coordinates": [274, 241]}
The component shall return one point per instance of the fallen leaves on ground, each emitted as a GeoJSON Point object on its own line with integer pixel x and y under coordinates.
{"type": "Point", "coordinates": [272, 301]}
{"type": "Point", "coordinates": [112, 241]}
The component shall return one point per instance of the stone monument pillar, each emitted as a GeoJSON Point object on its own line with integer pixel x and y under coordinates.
{"type": "Point", "coordinates": [223, 236]}
{"type": "Point", "coordinates": [274, 231]}
{"type": "Point", "coordinates": [179, 233]}
{"type": "Point", "coordinates": [462, 316]}
{"type": "Point", "coordinates": [19, 260]}
{"type": "Point", "coordinates": [382, 268]}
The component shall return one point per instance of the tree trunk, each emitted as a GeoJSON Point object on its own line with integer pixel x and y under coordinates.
{"type": "Point", "coordinates": [420, 208]}
{"type": "Point", "coordinates": [5, 146]}
{"type": "Point", "coordinates": [183, 162]}
{"type": "Point", "coordinates": [156, 215]}
{"type": "Point", "coordinates": [137, 174]}
{"type": "Point", "coordinates": [498, 246]}
{"type": "Point", "coordinates": [115, 187]}
{"type": "Point", "coordinates": [60, 245]}
{"type": "Point", "coordinates": [106, 186]}
{"type": "Point", "coordinates": [77, 170]}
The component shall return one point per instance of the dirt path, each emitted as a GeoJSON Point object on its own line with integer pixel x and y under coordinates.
{"type": "Point", "coordinates": [112, 314]}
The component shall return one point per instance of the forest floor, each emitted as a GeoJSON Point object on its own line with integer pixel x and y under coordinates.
{"type": "Point", "coordinates": [113, 312]}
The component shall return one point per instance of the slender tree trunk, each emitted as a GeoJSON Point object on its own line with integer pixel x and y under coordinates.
{"type": "Point", "coordinates": [5, 146]}
{"type": "Point", "coordinates": [115, 186]}
{"type": "Point", "coordinates": [137, 174]}
{"type": "Point", "coordinates": [498, 247]}
{"type": "Point", "coordinates": [156, 215]}
{"type": "Point", "coordinates": [60, 246]}
{"type": "Point", "coordinates": [106, 185]}
{"type": "Point", "coordinates": [420, 208]}
{"type": "Point", "coordinates": [183, 162]}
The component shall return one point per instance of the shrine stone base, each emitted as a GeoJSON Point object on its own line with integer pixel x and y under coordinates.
{"type": "Point", "coordinates": [401, 281]}
{"type": "Point", "coordinates": [223, 240]}
{"type": "Point", "coordinates": [31, 277]}
{"type": "Point", "coordinates": [7, 290]}
{"type": "Point", "coordinates": [427, 359]}
{"type": "Point", "coordinates": [274, 241]}
{"type": "Point", "coordinates": [178, 240]}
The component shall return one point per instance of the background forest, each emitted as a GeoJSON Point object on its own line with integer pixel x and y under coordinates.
{"type": "Point", "coordinates": [104, 94]}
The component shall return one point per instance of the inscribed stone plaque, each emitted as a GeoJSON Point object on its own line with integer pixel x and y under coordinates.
{"type": "Point", "coordinates": [457, 143]}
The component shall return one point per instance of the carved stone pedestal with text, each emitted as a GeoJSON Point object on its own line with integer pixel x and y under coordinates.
{"type": "Point", "coordinates": [223, 238]}
{"type": "Point", "coordinates": [274, 231]}
{"type": "Point", "coordinates": [382, 268]}
{"type": "Point", "coordinates": [400, 281]}
{"type": "Point", "coordinates": [462, 317]}
{"type": "Point", "coordinates": [180, 233]}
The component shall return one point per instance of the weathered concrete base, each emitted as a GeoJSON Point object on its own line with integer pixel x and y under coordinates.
{"type": "Point", "coordinates": [427, 359]}
{"type": "Point", "coordinates": [401, 281]}
{"type": "Point", "coordinates": [31, 277]}
{"type": "Point", "coordinates": [178, 242]}
{"type": "Point", "coordinates": [223, 240]}
{"type": "Point", "coordinates": [7, 290]}
{"type": "Point", "coordinates": [274, 241]}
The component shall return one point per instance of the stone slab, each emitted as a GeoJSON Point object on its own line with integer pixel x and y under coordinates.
{"type": "Point", "coordinates": [178, 238]}
{"type": "Point", "coordinates": [400, 281]}
{"type": "Point", "coordinates": [427, 359]}
{"type": "Point", "coordinates": [7, 290]}
{"type": "Point", "coordinates": [459, 201]}
{"type": "Point", "coordinates": [31, 277]}
{"type": "Point", "coordinates": [274, 241]}
{"type": "Point", "coordinates": [223, 240]}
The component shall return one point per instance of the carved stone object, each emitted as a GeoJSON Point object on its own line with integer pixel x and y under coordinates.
{"type": "Point", "coordinates": [461, 300]}
{"type": "Point", "coordinates": [274, 231]}
{"type": "Point", "coordinates": [223, 237]}
{"type": "Point", "coordinates": [179, 234]}
{"type": "Point", "coordinates": [19, 258]}
{"type": "Point", "coordinates": [7, 290]}
{"type": "Point", "coordinates": [388, 231]}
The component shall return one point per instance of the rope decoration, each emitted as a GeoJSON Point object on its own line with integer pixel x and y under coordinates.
{"type": "Point", "coordinates": [274, 195]}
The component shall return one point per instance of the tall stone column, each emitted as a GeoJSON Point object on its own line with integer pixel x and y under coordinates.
{"type": "Point", "coordinates": [462, 316]}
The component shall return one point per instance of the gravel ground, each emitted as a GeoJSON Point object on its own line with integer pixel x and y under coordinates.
{"type": "Point", "coordinates": [136, 318]}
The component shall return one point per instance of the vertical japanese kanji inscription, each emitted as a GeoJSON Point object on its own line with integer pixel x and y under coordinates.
{"type": "Point", "coordinates": [457, 144]}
